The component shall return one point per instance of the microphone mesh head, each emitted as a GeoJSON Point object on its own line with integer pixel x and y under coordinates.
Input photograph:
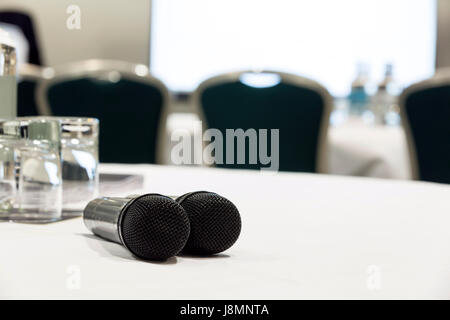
{"type": "Point", "coordinates": [215, 222]}
{"type": "Point", "coordinates": [154, 227]}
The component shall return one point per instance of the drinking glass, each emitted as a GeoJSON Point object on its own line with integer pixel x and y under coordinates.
{"type": "Point", "coordinates": [79, 156]}
{"type": "Point", "coordinates": [8, 174]}
{"type": "Point", "coordinates": [38, 174]}
{"type": "Point", "coordinates": [79, 151]}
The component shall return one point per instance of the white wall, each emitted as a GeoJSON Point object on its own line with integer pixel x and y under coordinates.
{"type": "Point", "coordinates": [120, 29]}
{"type": "Point", "coordinates": [443, 30]}
{"type": "Point", "coordinates": [194, 39]}
{"type": "Point", "coordinates": [110, 29]}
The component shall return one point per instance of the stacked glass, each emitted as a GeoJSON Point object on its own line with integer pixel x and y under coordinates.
{"type": "Point", "coordinates": [48, 167]}
{"type": "Point", "coordinates": [79, 153]}
{"type": "Point", "coordinates": [31, 188]}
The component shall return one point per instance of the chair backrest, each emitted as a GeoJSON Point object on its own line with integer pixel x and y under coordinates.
{"type": "Point", "coordinates": [130, 104]}
{"type": "Point", "coordinates": [298, 107]}
{"type": "Point", "coordinates": [29, 76]}
{"type": "Point", "coordinates": [425, 108]}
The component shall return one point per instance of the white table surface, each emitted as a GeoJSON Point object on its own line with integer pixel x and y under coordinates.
{"type": "Point", "coordinates": [303, 236]}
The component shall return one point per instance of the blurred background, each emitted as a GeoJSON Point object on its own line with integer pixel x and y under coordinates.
{"type": "Point", "coordinates": [364, 53]}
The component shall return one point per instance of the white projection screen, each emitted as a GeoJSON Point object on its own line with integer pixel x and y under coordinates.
{"type": "Point", "coordinates": [321, 39]}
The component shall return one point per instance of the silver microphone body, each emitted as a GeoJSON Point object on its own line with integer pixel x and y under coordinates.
{"type": "Point", "coordinates": [151, 226]}
{"type": "Point", "coordinates": [102, 217]}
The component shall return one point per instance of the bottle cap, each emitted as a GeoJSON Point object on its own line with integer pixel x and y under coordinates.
{"type": "Point", "coordinates": [6, 39]}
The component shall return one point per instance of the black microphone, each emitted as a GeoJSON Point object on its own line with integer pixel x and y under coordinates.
{"type": "Point", "coordinates": [215, 222]}
{"type": "Point", "coordinates": [151, 226]}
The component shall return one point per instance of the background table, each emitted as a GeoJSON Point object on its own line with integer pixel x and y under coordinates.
{"type": "Point", "coordinates": [303, 236]}
{"type": "Point", "coordinates": [355, 148]}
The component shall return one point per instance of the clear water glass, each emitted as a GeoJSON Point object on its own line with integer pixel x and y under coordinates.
{"type": "Point", "coordinates": [79, 156]}
{"type": "Point", "coordinates": [40, 183]}
{"type": "Point", "coordinates": [38, 173]}
{"type": "Point", "coordinates": [79, 150]}
{"type": "Point", "coordinates": [8, 174]}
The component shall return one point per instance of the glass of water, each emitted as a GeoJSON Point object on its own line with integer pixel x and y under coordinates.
{"type": "Point", "coordinates": [79, 151]}
{"type": "Point", "coordinates": [79, 156]}
{"type": "Point", "coordinates": [8, 174]}
{"type": "Point", "coordinates": [37, 173]}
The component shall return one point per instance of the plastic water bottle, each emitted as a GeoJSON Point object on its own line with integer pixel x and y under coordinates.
{"type": "Point", "coordinates": [358, 97]}
{"type": "Point", "coordinates": [384, 103]}
{"type": "Point", "coordinates": [8, 85]}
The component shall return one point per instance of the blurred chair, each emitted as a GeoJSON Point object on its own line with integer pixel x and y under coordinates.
{"type": "Point", "coordinates": [298, 107]}
{"type": "Point", "coordinates": [425, 110]}
{"type": "Point", "coordinates": [29, 76]}
{"type": "Point", "coordinates": [130, 104]}
{"type": "Point", "coordinates": [25, 23]}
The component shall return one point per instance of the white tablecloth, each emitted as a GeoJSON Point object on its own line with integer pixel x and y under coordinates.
{"type": "Point", "coordinates": [355, 148]}
{"type": "Point", "coordinates": [303, 236]}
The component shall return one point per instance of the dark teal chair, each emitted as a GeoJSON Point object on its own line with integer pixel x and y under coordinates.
{"type": "Point", "coordinates": [29, 77]}
{"type": "Point", "coordinates": [425, 109]}
{"type": "Point", "coordinates": [26, 104]}
{"type": "Point", "coordinates": [298, 107]}
{"type": "Point", "coordinates": [130, 104]}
